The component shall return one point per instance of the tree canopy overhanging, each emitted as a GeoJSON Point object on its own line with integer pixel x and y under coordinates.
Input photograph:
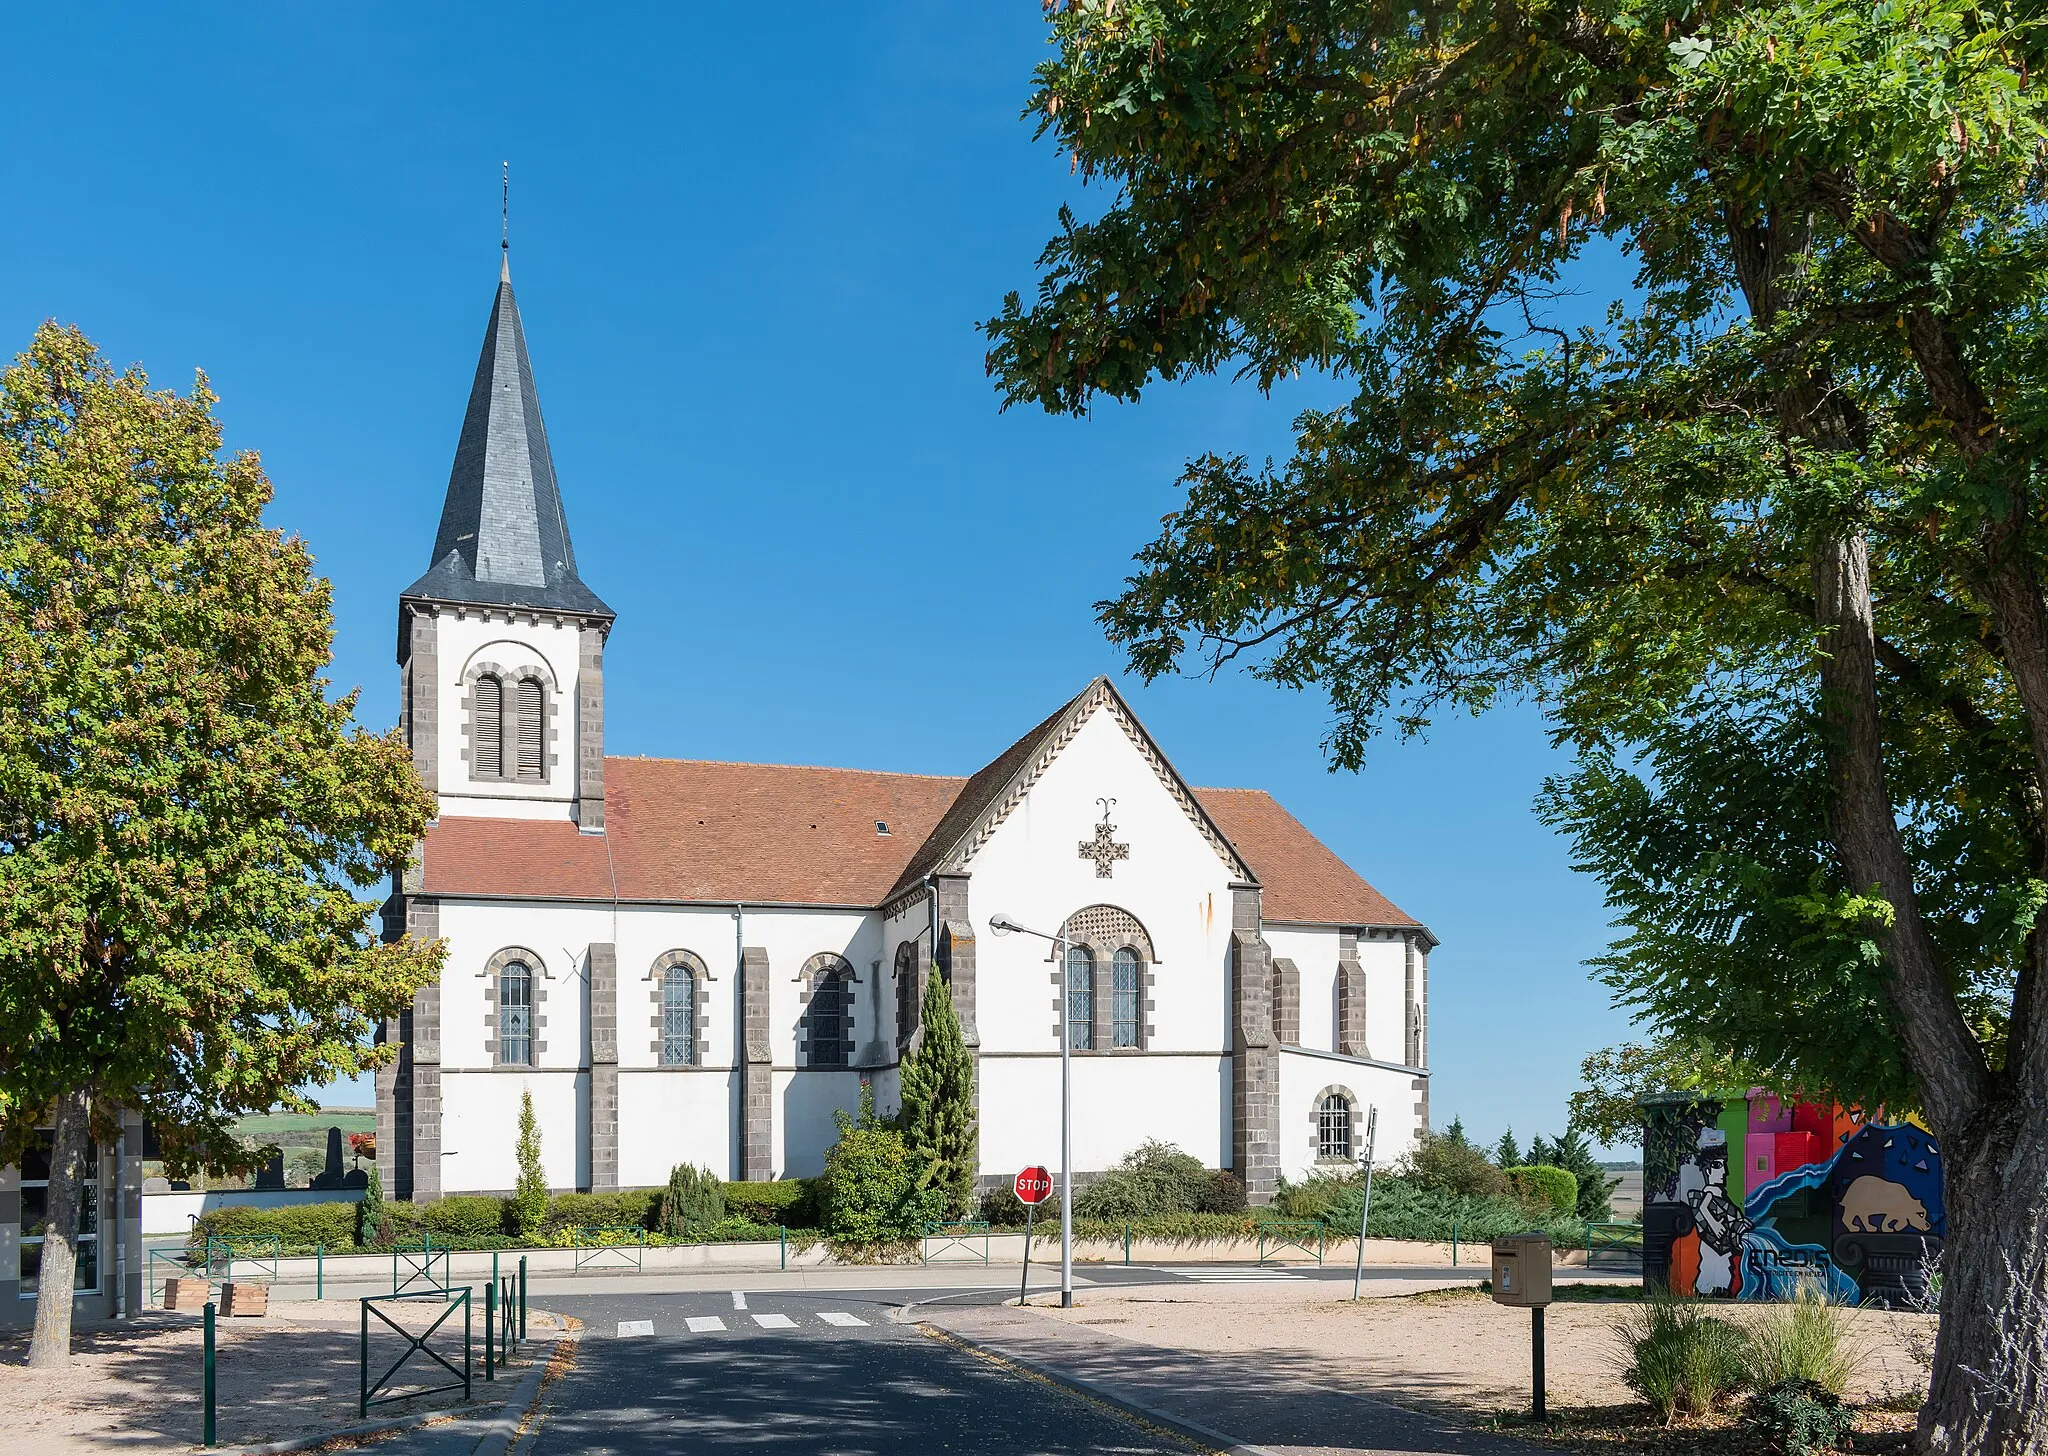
{"type": "Point", "coordinates": [1764, 541]}
{"type": "Point", "coordinates": [188, 823]}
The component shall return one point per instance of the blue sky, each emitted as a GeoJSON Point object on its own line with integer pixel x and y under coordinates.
{"type": "Point", "coordinates": [751, 246]}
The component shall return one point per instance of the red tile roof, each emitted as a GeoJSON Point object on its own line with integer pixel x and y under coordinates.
{"type": "Point", "coordinates": [1303, 878]}
{"type": "Point", "coordinates": [774, 834]}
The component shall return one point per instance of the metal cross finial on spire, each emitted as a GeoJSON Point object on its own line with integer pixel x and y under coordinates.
{"type": "Point", "coordinates": [505, 220]}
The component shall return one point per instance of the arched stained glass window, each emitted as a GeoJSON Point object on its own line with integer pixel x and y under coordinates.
{"type": "Point", "coordinates": [1080, 999]}
{"type": "Point", "coordinates": [825, 1020]}
{"type": "Point", "coordinates": [515, 1014]}
{"type": "Point", "coordinates": [1123, 999]}
{"type": "Point", "coordinates": [678, 1017]}
{"type": "Point", "coordinates": [907, 1006]}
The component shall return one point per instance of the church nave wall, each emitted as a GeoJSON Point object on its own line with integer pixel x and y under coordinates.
{"type": "Point", "coordinates": [480, 1129]}
{"type": "Point", "coordinates": [675, 1115]}
{"type": "Point", "coordinates": [1119, 1102]}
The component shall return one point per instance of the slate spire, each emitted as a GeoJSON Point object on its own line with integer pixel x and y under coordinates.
{"type": "Point", "coordinates": [504, 539]}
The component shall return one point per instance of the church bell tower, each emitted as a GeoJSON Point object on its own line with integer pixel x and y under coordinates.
{"type": "Point", "coordinates": [500, 644]}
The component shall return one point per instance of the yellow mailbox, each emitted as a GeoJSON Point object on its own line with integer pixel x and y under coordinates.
{"type": "Point", "coordinates": [1521, 1271]}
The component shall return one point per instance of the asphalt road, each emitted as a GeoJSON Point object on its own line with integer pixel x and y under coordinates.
{"type": "Point", "coordinates": [778, 1379]}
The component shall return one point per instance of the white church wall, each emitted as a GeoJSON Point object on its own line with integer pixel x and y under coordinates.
{"type": "Point", "coordinates": [675, 1115]}
{"type": "Point", "coordinates": [558, 935]}
{"type": "Point", "coordinates": [1174, 882]}
{"type": "Point", "coordinates": [1306, 1075]}
{"type": "Point", "coordinates": [1384, 960]}
{"type": "Point", "coordinates": [480, 1129]}
{"type": "Point", "coordinates": [465, 638]}
{"type": "Point", "coordinates": [1119, 1102]}
{"type": "Point", "coordinates": [804, 1125]}
{"type": "Point", "coordinates": [791, 936]}
{"type": "Point", "coordinates": [1314, 949]}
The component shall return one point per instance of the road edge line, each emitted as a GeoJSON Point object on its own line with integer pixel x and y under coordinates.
{"type": "Point", "coordinates": [509, 1424]}
{"type": "Point", "coordinates": [1206, 1436]}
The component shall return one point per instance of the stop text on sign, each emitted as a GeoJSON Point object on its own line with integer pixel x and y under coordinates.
{"type": "Point", "coordinates": [1034, 1185]}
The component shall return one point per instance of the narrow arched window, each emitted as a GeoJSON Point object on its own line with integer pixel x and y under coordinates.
{"type": "Point", "coordinates": [678, 1017]}
{"type": "Point", "coordinates": [527, 744]}
{"type": "Point", "coordinates": [907, 1006]}
{"type": "Point", "coordinates": [825, 1021]}
{"type": "Point", "coordinates": [487, 716]}
{"type": "Point", "coordinates": [515, 1014]}
{"type": "Point", "coordinates": [1123, 999]}
{"type": "Point", "coordinates": [1333, 1127]}
{"type": "Point", "coordinates": [1080, 999]}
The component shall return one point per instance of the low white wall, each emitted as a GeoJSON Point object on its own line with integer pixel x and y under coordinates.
{"type": "Point", "coordinates": [172, 1213]}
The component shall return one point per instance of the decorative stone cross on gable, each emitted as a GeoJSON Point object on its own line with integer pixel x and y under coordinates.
{"type": "Point", "coordinates": [1104, 850]}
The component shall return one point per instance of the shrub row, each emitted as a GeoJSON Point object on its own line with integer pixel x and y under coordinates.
{"type": "Point", "coordinates": [1405, 1207]}
{"type": "Point", "coordinates": [484, 1221]}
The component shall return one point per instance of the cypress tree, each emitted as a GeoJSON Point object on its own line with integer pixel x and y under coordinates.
{"type": "Point", "coordinates": [530, 1194]}
{"type": "Point", "coordinates": [938, 1102]}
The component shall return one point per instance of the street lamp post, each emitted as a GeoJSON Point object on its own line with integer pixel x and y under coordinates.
{"type": "Point", "coordinates": [1004, 925]}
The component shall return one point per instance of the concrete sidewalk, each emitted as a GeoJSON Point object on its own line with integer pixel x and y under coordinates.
{"type": "Point", "coordinates": [1239, 1405]}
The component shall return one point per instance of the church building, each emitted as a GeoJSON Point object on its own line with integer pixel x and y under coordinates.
{"type": "Point", "coordinates": [693, 961]}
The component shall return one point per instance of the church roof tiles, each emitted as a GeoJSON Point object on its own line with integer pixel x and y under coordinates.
{"type": "Point", "coordinates": [691, 831]}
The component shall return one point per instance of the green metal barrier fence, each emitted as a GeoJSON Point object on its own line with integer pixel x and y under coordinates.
{"type": "Point", "coordinates": [257, 1257]}
{"type": "Point", "coordinates": [1624, 1239]}
{"type": "Point", "coordinates": [379, 1391]}
{"type": "Point", "coordinates": [168, 1264]}
{"type": "Point", "coordinates": [625, 1248]}
{"type": "Point", "coordinates": [955, 1243]}
{"type": "Point", "coordinates": [421, 1273]}
{"type": "Point", "coordinates": [1280, 1236]}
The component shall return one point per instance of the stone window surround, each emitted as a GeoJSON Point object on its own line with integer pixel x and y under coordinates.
{"type": "Point", "coordinates": [1102, 941]}
{"type": "Point", "coordinates": [541, 976]}
{"type": "Point", "coordinates": [702, 978]}
{"type": "Point", "coordinates": [550, 709]}
{"type": "Point", "coordinates": [908, 1008]}
{"type": "Point", "coordinates": [1315, 1126]}
{"type": "Point", "coordinates": [826, 960]}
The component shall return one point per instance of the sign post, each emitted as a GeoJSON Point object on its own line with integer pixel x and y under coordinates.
{"type": "Point", "coordinates": [1032, 1186]}
{"type": "Point", "coordinates": [1372, 1132]}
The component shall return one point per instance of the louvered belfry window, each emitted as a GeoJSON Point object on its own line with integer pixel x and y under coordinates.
{"type": "Point", "coordinates": [530, 728]}
{"type": "Point", "coordinates": [488, 696]}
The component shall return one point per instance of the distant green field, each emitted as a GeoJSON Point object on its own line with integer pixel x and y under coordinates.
{"type": "Point", "coordinates": [304, 1129]}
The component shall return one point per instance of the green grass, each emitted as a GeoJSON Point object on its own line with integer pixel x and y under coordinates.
{"type": "Point", "coordinates": [303, 1129]}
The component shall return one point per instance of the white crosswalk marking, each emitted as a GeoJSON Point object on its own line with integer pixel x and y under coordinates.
{"type": "Point", "coordinates": [629, 1328]}
{"type": "Point", "coordinates": [704, 1324]}
{"type": "Point", "coordinates": [739, 1299]}
{"type": "Point", "coordinates": [1250, 1276]}
{"type": "Point", "coordinates": [774, 1321]}
{"type": "Point", "coordinates": [841, 1318]}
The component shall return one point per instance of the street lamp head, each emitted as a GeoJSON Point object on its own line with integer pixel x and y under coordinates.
{"type": "Point", "coordinates": [1002, 924]}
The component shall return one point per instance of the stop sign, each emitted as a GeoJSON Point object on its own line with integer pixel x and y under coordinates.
{"type": "Point", "coordinates": [1034, 1185]}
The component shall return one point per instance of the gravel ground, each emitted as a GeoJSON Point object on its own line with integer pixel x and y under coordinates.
{"type": "Point", "coordinates": [136, 1386]}
{"type": "Point", "coordinates": [1451, 1347]}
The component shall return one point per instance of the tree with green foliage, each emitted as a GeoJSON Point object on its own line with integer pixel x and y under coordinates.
{"type": "Point", "coordinates": [938, 1122]}
{"type": "Point", "coordinates": [691, 1203]}
{"type": "Point", "coordinates": [1455, 1134]}
{"type": "Point", "coordinates": [370, 1212]}
{"type": "Point", "coordinates": [1506, 1154]}
{"type": "Point", "coordinates": [1609, 1105]}
{"type": "Point", "coordinates": [529, 1206]}
{"type": "Point", "coordinates": [1765, 541]}
{"type": "Point", "coordinates": [872, 1190]}
{"type": "Point", "coordinates": [188, 822]}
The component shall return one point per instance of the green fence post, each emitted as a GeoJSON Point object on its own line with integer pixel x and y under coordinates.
{"type": "Point", "coordinates": [494, 1266]}
{"type": "Point", "coordinates": [782, 1232]}
{"type": "Point", "coordinates": [490, 1335]}
{"type": "Point", "coordinates": [522, 1296]}
{"type": "Point", "coordinates": [1127, 1246]}
{"type": "Point", "coordinates": [467, 1311]}
{"type": "Point", "coordinates": [208, 1430]}
{"type": "Point", "coordinates": [319, 1271]}
{"type": "Point", "coordinates": [1454, 1243]}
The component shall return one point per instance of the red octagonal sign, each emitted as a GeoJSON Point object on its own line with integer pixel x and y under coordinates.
{"type": "Point", "coordinates": [1034, 1185]}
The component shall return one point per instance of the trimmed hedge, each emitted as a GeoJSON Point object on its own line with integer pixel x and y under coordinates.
{"type": "Point", "coordinates": [1554, 1188]}
{"type": "Point", "coordinates": [1403, 1207]}
{"type": "Point", "coordinates": [297, 1227]}
{"type": "Point", "coordinates": [789, 1201]}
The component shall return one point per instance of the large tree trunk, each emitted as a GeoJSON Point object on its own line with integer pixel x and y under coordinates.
{"type": "Point", "coordinates": [51, 1344]}
{"type": "Point", "coordinates": [1989, 1395]}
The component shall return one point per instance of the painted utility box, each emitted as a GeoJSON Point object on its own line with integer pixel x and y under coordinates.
{"type": "Point", "coordinates": [1745, 1197]}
